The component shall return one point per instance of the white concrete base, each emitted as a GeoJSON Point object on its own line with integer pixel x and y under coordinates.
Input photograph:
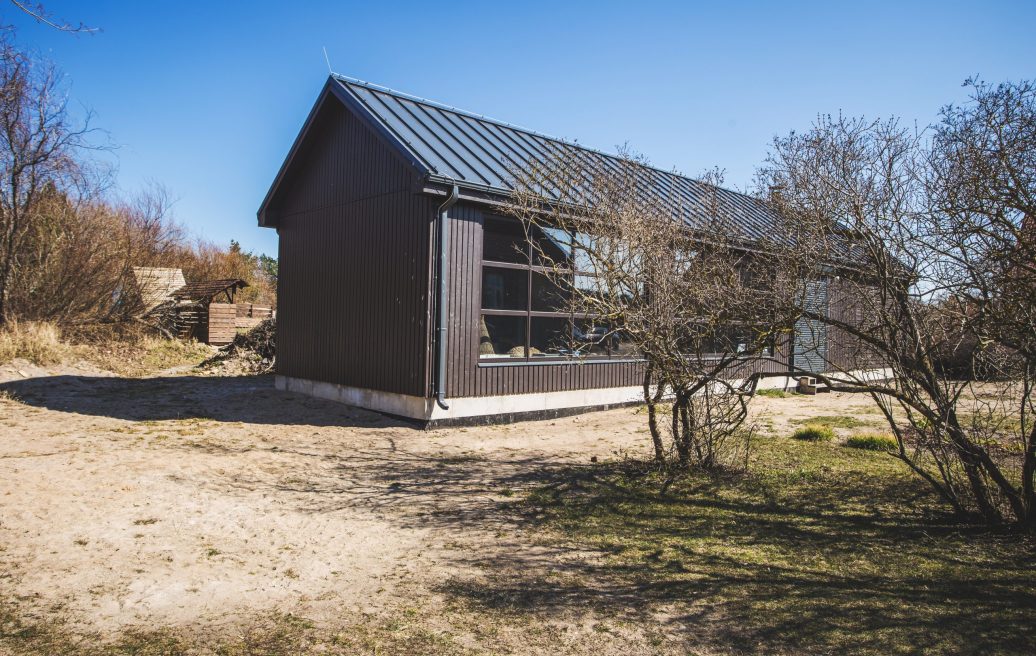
{"type": "Point", "coordinates": [426, 409]}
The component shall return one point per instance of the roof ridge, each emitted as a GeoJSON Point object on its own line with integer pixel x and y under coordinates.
{"type": "Point", "coordinates": [451, 108]}
{"type": "Point", "coordinates": [482, 117]}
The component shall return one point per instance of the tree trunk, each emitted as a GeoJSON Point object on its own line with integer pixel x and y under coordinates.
{"type": "Point", "coordinates": [679, 438]}
{"type": "Point", "coordinates": [5, 278]}
{"type": "Point", "coordinates": [652, 402]}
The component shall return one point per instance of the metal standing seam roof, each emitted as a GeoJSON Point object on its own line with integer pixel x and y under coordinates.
{"type": "Point", "coordinates": [480, 153]}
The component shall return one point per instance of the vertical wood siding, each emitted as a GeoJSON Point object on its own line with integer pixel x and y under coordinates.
{"type": "Point", "coordinates": [356, 272]}
{"type": "Point", "coordinates": [847, 302]}
{"type": "Point", "coordinates": [353, 257]}
{"type": "Point", "coordinates": [464, 376]}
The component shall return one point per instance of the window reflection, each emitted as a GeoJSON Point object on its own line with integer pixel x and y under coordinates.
{"type": "Point", "coordinates": [549, 336]}
{"type": "Point", "coordinates": [547, 296]}
{"type": "Point", "coordinates": [505, 289]}
{"type": "Point", "coordinates": [527, 306]}
{"type": "Point", "coordinates": [504, 241]}
{"type": "Point", "coordinates": [501, 337]}
{"type": "Point", "coordinates": [553, 247]}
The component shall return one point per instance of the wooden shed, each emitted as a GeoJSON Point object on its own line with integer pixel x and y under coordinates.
{"type": "Point", "coordinates": [373, 313]}
{"type": "Point", "coordinates": [205, 310]}
{"type": "Point", "coordinates": [155, 285]}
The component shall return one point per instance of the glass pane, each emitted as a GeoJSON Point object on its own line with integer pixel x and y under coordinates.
{"type": "Point", "coordinates": [590, 286]}
{"type": "Point", "coordinates": [591, 337]}
{"type": "Point", "coordinates": [550, 337]}
{"type": "Point", "coordinates": [553, 247]}
{"type": "Point", "coordinates": [501, 337]}
{"type": "Point", "coordinates": [582, 259]}
{"type": "Point", "coordinates": [622, 347]}
{"type": "Point", "coordinates": [727, 341]}
{"type": "Point", "coordinates": [505, 289]}
{"type": "Point", "coordinates": [546, 295]}
{"type": "Point", "coordinates": [503, 240]}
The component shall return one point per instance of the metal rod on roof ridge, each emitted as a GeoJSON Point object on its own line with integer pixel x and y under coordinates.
{"type": "Point", "coordinates": [327, 59]}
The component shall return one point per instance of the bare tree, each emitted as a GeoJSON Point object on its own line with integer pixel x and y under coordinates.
{"type": "Point", "coordinates": [650, 274]}
{"type": "Point", "coordinates": [39, 149]}
{"type": "Point", "coordinates": [937, 230]}
{"type": "Point", "coordinates": [67, 247]}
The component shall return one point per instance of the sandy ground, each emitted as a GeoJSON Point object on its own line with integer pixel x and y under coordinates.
{"type": "Point", "coordinates": [189, 501]}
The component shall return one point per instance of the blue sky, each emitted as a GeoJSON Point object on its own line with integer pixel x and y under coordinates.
{"type": "Point", "coordinates": [207, 97]}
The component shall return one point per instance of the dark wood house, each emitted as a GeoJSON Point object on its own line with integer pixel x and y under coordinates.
{"type": "Point", "coordinates": [399, 288]}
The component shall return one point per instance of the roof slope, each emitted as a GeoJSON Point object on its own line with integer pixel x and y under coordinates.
{"type": "Point", "coordinates": [454, 146]}
{"type": "Point", "coordinates": [156, 284]}
{"type": "Point", "coordinates": [205, 289]}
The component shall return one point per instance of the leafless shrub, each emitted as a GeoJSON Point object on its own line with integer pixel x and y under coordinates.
{"type": "Point", "coordinates": [38, 156]}
{"type": "Point", "coordinates": [67, 249]}
{"type": "Point", "coordinates": [645, 273]}
{"type": "Point", "coordinates": [938, 227]}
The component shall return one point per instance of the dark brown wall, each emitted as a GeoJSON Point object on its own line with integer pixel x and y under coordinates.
{"type": "Point", "coordinates": [847, 302]}
{"type": "Point", "coordinates": [353, 278]}
{"type": "Point", "coordinates": [464, 375]}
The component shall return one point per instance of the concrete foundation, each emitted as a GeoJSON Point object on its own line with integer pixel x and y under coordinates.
{"type": "Point", "coordinates": [493, 409]}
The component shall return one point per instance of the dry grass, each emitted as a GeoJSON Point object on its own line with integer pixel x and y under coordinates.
{"type": "Point", "coordinates": [144, 355]}
{"type": "Point", "coordinates": [39, 343]}
{"type": "Point", "coordinates": [125, 349]}
{"type": "Point", "coordinates": [278, 634]}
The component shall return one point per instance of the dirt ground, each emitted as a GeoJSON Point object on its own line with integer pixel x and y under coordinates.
{"type": "Point", "coordinates": [199, 502]}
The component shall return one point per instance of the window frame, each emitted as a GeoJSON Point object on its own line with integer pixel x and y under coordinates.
{"type": "Point", "coordinates": [529, 314]}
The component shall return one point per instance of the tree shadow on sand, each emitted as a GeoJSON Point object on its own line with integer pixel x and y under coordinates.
{"type": "Point", "coordinates": [843, 563]}
{"type": "Point", "coordinates": [725, 572]}
{"type": "Point", "coordinates": [735, 572]}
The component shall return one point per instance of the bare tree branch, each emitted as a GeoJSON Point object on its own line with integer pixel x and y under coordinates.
{"type": "Point", "coordinates": [942, 292]}
{"type": "Point", "coordinates": [41, 15]}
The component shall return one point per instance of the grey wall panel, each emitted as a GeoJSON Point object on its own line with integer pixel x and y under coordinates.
{"type": "Point", "coordinates": [810, 348]}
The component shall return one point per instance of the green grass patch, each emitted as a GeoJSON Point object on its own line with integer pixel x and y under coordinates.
{"type": "Point", "coordinates": [872, 442]}
{"type": "Point", "coordinates": [815, 550]}
{"type": "Point", "coordinates": [833, 421]}
{"type": "Point", "coordinates": [774, 393]}
{"type": "Point", "coordinates": [814, 433]}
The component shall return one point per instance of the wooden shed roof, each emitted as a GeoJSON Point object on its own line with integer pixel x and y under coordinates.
{"type": "Point", "coordinates": [206, 289]}
{"type": "Point", "coordinates": [156, 285]}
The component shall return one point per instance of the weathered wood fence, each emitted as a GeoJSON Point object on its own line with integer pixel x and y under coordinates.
{"type": "Point", "coordinates": [250, 315]}
{"type": "Point", "coordinates": [222, 324]}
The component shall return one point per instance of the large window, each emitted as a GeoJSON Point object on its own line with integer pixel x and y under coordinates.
{"type": "Point", "coordinates": [524, 314]}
